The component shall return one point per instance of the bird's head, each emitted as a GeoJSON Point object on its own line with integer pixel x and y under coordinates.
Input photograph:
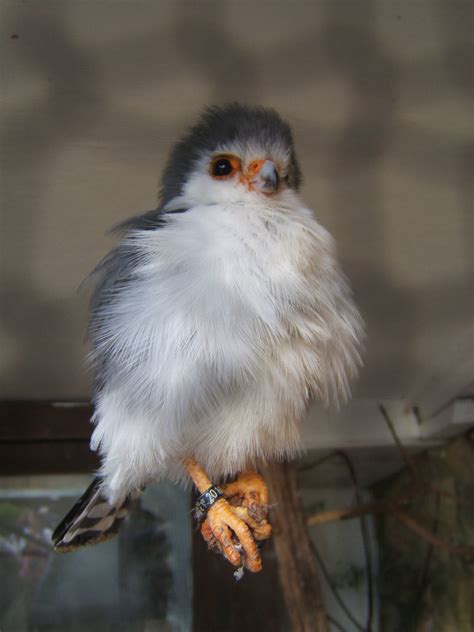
{"type": "Point", "coordinates": [233, 154]}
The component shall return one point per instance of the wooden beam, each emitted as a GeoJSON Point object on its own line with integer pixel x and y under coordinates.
{"type": "Point", "coordinates": [296, 563]}
{"type": "Point", "coordinates": [38, 437]}
{"type": "Point", "coordinates": [40, 420]}
{"type": "Point", "coordinates": [22, 458]}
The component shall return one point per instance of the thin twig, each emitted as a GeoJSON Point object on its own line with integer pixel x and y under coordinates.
{"type": "Point", "coordinates": [410, 463]}
{"type": "Point", "coordinates": [446, 494]}
{"type": "Point", "coordinates": [345, 513]}
{"type": "Point", "coordinates": [427, 535]}
{"type": "Point", "coordinates": [363, 525]}
{"type": "Point", "coordinates": [429, 556]}
{"type": "Point", "coordinates": [405, 456]}
{"type": "Point", "coordinates": [333, 588]}
{"type": "Point", "coordinates": [364, 529]}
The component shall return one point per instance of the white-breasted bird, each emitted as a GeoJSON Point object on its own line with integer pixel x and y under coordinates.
{"type": "Point", "coordinates": [214, 322]}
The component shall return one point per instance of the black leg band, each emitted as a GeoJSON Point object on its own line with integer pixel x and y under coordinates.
{"type": "Point", "coordinates": [207, 499]}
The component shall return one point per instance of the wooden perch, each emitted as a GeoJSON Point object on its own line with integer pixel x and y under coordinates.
{"type": "Point", "coordinates": [416, 527]}
{"type": "Point", "coordinates": [296, 563]}
{"type": "Point", "coordinates": [344, 513]}
{"type": "Point", "coordinates": [394, 509]}
{"type": "Point", "coordinates": [419, 487]}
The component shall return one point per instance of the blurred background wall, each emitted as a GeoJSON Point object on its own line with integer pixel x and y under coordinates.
{"type": "Point", "coordinates": [94, 93]}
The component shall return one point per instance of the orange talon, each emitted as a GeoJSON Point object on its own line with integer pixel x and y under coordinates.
{"type": "Point", "coordinates": [233, 525]}
{"type": "Point", "coordinates": [260, 530]}
{"type": "Point", "coordinates": [252, 493]}
{"type": "Point", "coordinates": [221, 519]}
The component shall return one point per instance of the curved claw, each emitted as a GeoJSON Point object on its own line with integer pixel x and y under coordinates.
{"type": "Point", "coordinates": [261, 529]}
{"type": "Point", "coordinates": [217, 530]}
{"type": "Point", "coordinates": [249, 491]}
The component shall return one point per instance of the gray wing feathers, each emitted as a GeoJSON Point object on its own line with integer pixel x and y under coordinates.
{"type": "Point", "coordinates": [113, 274]}
{"type": "Point", "coordinates": [90, 521]}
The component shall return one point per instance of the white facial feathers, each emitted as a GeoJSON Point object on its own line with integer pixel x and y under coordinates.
{"type": "Point", "coordinates": [201, 189]}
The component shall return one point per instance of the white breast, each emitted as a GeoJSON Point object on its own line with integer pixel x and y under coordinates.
{"type": "Point", "coordinates": [238, 314]}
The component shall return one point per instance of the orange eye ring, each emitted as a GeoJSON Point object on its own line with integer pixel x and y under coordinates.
{"type": "Point", "coordinates": [224, 166]}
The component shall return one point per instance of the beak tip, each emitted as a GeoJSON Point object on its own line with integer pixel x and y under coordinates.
{"type": "Point", "coordinates": [267, 179]}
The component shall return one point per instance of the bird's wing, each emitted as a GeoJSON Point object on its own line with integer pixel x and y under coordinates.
{"type": "Point", "coordinates": [91, 520]}
{"type": "Point", "coordinates": [113, 274]}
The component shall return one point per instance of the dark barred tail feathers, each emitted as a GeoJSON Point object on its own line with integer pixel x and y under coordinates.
{"type": "Point", "coordinates": [91, 520]}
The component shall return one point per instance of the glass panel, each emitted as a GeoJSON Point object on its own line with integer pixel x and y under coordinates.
{"type": "Point", "coordinates": [140, 580]}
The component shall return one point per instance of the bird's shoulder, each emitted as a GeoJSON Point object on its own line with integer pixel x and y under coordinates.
{"type": "Point", "coordinates": [116, 270]}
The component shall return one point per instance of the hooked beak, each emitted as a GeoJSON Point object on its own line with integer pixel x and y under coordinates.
{"type": "Point", "coordinates": [264, 177]}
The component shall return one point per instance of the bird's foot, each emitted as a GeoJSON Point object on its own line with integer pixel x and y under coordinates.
{"type": "Point", "coordinates": [227, 529]}
{"type": "Point", "coordinates": [235, 522]}
{"type": "Point", "coordinates": [244, 511]}
{"type": "Point", "coordinates": [248, 495]}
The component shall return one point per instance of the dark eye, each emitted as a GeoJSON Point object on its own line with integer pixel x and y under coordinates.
{"type": "Point", "coordinates": [224, 166]}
